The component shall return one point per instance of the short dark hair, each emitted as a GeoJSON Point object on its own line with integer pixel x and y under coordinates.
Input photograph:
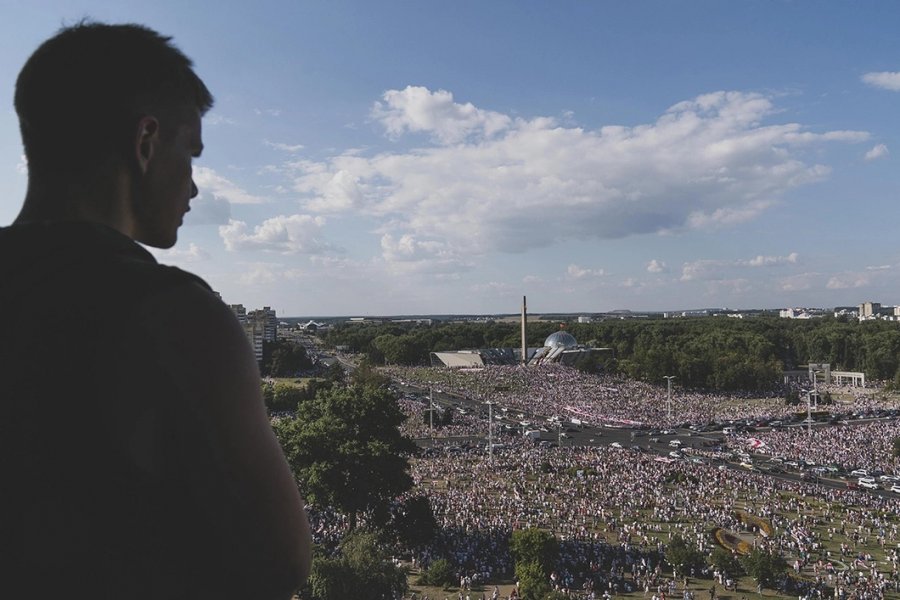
{"type": "Point", "coordinates": [82, 91]}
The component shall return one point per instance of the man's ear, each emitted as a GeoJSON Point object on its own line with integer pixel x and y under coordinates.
{"type": "Point", "coordinates": [145, 142]}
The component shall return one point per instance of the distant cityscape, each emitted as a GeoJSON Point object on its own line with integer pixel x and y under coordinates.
{"type": "Point", "coordinates": [262, 325]}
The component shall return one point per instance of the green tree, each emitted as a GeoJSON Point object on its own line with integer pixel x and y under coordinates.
{"type": "Point", "coordinates": [346, 450]}
{"type": "Point", "coordinates": [282, 397]}
{"type": "Point", "coordinates": [414, 522]}
{"type": "Point", "coordinates": [335, 372]}
{"type": "Point", "coordinates": [439, 573]}
{"type": "Point", "coordinates": [764, 566]}
{"type": "Point", "coordinates": [283, 358]}
{"type": "Point", "coordinates": [535, 546]}
{"type": "Point", "coordinates": [361, 571]}
{"type": "Point", "coordinates": [725, 561]}
{"type": "Point", "coordinates": [682, 556]}
{"type": "Point", "coordinates": [533, 581]}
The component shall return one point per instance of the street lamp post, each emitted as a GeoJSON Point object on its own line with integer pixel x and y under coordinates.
{"type": "Point", "coordinates": [809, 411]}
{"type": "Point", "coordinates": [490, 430]}
{"type": "Point", "coordinates": [669, 379]}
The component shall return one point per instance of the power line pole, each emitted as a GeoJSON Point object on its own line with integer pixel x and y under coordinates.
{"type": "Point", "coordinates": [669, 379]}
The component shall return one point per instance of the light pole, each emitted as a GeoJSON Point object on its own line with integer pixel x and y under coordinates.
{"type": "Point", "coordinates": [490, 430]}
{"type": "Point", "coordinates": [815, 379]}
{"type": "Point", "coordinates": [431, 412]}
{"type": "Point", "coordinates": [809, 411]}
{"type": "Point", "coordinates": [669, 379]}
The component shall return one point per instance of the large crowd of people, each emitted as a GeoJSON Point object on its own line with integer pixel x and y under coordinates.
{"type": "Point", "coordinates": [860, 446]}
{"type": "Point", "coordinates": [606, 399]}
{"type": "Point", "coordinates": [615, 510]}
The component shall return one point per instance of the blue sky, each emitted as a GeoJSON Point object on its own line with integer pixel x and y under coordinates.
{"type": "Point", "coordinates": [370, 158]}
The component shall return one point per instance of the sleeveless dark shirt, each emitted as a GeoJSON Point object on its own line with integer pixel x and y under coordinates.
{"type": "Point", "coordinates": [93, 495]}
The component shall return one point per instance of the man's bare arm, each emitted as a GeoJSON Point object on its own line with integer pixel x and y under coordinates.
{"type": "Point", "coordinates": [252, 494]}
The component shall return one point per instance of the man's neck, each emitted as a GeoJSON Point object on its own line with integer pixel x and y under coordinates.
{"type": "Point", "coordinates": [107, 205]}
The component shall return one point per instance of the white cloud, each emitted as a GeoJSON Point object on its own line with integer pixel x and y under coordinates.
{"type": "Point", "coordinates": [532, 279]}
{"type": "Point", "coordinates": [576, 272]}
{"type": "Point", "coordinates": [879, 268]}
{"type": "Point", "coordinates": [254, 274]}
{"type": "Point", "coordinates": [193, 253]}
{"type": "Point", "coordinates": [208, 180]}
{"type": "Point", "coordinates": [271, 112]}
{"type": "Point", "coordinates": [493, 288]}
{"type": "Point", "coordinates": [292, 234]}
{"type": "Point", "coordinates": [22, 165]}
{"type": "Point", "coordinates": [657, 266]}
{"type": "Point", "coordinates": [208, 209]}
{"type": "Point", "coordinates": [769, 261]}
{"type": "Point", "coordinates": [843, 281]}
{"type": "Point", "coordinates": [497, 183]}
{"type": "Point", "coordinates": [713, 269]}
{"type": "Point", "coordinates": [886, 80]}
{"type": "Point", "coordinates": [217, 119]}
{"type": "Point", "coordinates": [876, 152]}
{"type": "Point", "coordinates": [408, 254]}
{"type": "Point", "coordinates": [798, 283]}
{"type": "Point", "coordinates": [290, 148]}
{"type": "Point", "coordinates": [417, 109]}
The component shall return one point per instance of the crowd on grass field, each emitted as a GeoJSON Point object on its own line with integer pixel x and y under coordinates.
{"type": "Point", "coordinates": [615, 510]}
{"type": "Point", "coordinates": [606, 399]}
{"type": "Point", "coordinates": [868, 445]}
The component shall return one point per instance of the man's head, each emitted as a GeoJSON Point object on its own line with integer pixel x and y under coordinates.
{"type": "Point", "coordinates": [97, 99]}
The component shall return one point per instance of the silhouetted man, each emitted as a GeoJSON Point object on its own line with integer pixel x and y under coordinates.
{"type": "Point", "coordinates": [136, 457]}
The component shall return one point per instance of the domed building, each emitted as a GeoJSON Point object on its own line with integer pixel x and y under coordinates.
{"type": "Point", "coordinates": [560, 339]}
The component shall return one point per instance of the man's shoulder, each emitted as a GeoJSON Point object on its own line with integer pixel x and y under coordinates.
{"type": "Point", "coordinates": [82, 263]}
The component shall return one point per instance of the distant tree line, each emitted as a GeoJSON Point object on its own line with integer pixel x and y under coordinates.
{"type": "Point", "coordinates": [704, 353]}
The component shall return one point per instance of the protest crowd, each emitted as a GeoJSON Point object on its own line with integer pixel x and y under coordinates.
{"type": "Point", "coordinates": [614, 511]}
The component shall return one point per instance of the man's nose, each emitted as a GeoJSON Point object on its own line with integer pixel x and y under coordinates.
{"type": "Point", "coordinates": [194, 190]}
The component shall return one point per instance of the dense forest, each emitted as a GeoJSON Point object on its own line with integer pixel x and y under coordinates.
{"type": "Point", "coordinates": [704, 353]}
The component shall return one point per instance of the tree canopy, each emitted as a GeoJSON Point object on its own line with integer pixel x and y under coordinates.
{"type": "Point", "coordinates": [707, 353]}
{"type": "Point", "coordinates": [346, 450]}
{"type": "Point", "coordinates": [764, 566]}
{"type": "Point", "coordinates": [283, 358]}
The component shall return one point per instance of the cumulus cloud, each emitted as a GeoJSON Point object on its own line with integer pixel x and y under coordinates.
{"type": "Point", "coordinates": [254, 274]}
{"type": "Point", "coordinates": [877, 152]}
{"type": "Point", "coordinates": [208, 209]}
{"type": "Point", "coordinates": [294, 234]}
{"type": "Point", "coordinates": [418, 109]}
{"type": "Point", "coordinates": [576, 272]}
{"type": "Point", "coordinates": [217, 119]}
{"type": "Point", "coordinates": [290, 148]}
{"type": "Point", "coordinates": [714, 269]}
{"type": "Point", "coordinates": [493, 288]}
{"type": "Point", "coordinates": [769, 261]}
{"type": "Point", "coordinates": [886, 80]}
{"type": "Point", "coordinates": [407, 253]}
{"type": "Point", "coordinates": [844, 281]}
{"type": "Point", "coordinates": [193, 253]}
{"type": "Point", "coordinates": [798, 283]}
{"type": "Point", "coordinates": [657, 266]}
{"type": "Point", "coordinates": [208, 180]}
{"type": "Point", "coordinates": [492, 182]}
